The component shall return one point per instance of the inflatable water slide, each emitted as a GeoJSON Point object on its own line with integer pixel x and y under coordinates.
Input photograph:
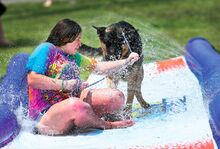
{"type": "Point", "coordinates": [184, 94]}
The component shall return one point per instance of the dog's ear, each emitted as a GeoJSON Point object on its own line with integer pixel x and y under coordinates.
{"type": "Point", "coordinates": [100, 30]}
{"type": "Point", "coordinates": [95, 27]}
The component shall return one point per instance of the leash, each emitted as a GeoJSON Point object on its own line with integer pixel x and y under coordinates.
{"type": "Point", "coordinates": [114, 72]}
{"type": "Point", "coordinates": [96, 82]}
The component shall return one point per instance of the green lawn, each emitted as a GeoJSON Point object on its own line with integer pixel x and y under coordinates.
{"type": "Point", "coordinates": [165, 25]}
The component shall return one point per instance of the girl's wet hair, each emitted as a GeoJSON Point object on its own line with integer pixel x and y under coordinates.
{"type": "Point", "coordinates": [65, 31]}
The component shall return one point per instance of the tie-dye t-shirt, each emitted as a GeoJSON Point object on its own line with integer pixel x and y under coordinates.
{"type": "Point", "coordinates": [49, 60]}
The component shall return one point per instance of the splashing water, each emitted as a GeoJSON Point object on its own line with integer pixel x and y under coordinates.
{"type": "Point", "coordinates": [152, 130]}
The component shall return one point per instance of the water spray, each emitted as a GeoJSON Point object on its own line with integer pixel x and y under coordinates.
{"type": "Point", "coordinates": [122, 68]}
{"type": "Point", "coordinates": [127, 43]}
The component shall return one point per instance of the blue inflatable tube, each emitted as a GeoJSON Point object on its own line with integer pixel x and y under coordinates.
{"type": "Point", "coordinates": [9, 125]}
{"type": "Point", "coordinates": [203, 60]}
{"type": "Point", "coordinates": [13, 94]}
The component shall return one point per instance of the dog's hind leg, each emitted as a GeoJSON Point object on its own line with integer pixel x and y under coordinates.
{"type": "Point", "coordinates": [138, 93]}
{"type": "Point", "coordinates": [140, 98]}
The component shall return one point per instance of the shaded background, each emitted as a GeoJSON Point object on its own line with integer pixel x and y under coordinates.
{"type": "Point", "coordinates": [165, 25]}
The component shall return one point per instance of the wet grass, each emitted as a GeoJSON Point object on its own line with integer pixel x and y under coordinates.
{"type": "Point", "coordinates": [164, 24]}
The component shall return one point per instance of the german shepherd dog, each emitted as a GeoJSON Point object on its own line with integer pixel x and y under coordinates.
{"type": "Point", "coordinates": [118, 40]}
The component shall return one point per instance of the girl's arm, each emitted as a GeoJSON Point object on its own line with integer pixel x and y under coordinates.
{"type": "Point", "coordinates": [106, 67]}
{"type": "Point", "coordinates": [39, 81]}
{"type": "Point", "coordinates": [43, 82]}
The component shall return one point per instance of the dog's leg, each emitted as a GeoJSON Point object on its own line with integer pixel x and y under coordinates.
{"type": "Point", "coordinates": [138, 92]}
{"type": "Point", "coordinates": [140, 98]}
{"type": "Point", "coordinates": [130, 97]}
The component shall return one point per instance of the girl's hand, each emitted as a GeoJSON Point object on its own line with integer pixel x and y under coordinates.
{"type": "Point", "coordinates": [83, 85]}
{"type": "Point", "coordinates": [133, 57]}
{"type": "Point", "coordinates": [69, 84]}
{"type": "Point", "coordinates": [75, 84]}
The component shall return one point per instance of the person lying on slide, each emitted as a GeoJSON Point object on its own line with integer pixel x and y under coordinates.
{"type": "Point", "coordinates": [58, 100]}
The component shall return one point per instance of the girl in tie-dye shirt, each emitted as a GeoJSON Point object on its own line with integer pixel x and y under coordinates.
{"type": "Point", "coordinates": [57, 77]}
{"type": "Point", "coordinates": [49, 60]}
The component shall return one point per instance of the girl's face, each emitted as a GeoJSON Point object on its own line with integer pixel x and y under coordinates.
{"type": "Point", "coordinates": [71, 48]}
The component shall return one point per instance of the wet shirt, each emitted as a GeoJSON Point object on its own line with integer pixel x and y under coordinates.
{"type": "Point", "coordinates": [49, 60]}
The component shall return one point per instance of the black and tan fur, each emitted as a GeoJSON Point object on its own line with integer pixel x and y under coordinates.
{"type": "Point", "coordinates": [114, 47]}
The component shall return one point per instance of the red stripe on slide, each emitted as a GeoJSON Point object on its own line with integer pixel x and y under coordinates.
{"type": "Point", "coordinates": [170, 64]}
{"type": "Point", "coordinates": [205, 144]}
